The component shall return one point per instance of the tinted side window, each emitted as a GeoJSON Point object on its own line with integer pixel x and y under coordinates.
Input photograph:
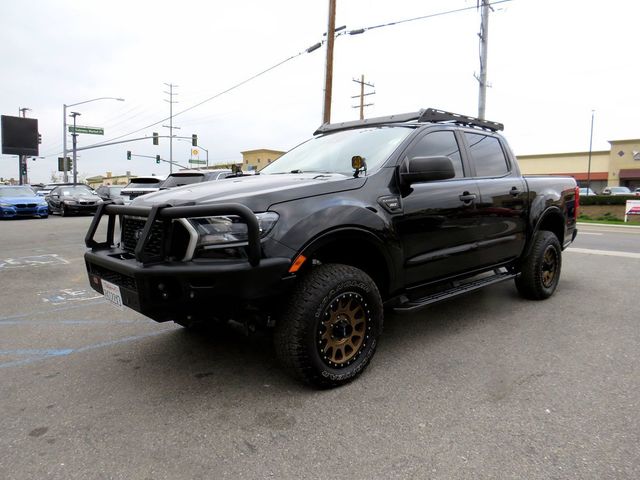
{"type": "Point", "coordinates": [438, 144]}
{"type": "Point", "coordinates": [487, 155]}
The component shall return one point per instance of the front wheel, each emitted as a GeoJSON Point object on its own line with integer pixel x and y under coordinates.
{"type": "Point", "coordinates": [63, 211]}
{"type": "Point", "coordinates": [540, 272]}
{"type": "Point", "coordinates": [328, 332]}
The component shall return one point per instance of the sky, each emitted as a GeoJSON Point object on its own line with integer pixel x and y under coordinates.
{"type": "Point", "coordinates": [550, 64]}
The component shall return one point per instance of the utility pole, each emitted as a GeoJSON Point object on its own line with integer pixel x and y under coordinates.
{"type": "Point", "coordinates": [74, 135]}
{"type": "Point", "coordinates": [170, 126]}
{"type": "Point", "coordinates": [22, 159]}
{"type": "Point", "coordinates": [362, 95]}
{"type": "Point", "coordinates": [328, 76]}
{"type": "Point", "coordinates": [484, 42]}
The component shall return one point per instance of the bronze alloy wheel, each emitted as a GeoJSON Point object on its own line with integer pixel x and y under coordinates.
{"type": "Point", "coordinates": [549, 266]}
{"type": "Point", "coordinates": [344, 330]}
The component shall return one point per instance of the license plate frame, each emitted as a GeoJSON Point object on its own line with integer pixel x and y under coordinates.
{"type": "Point", "coordinates": [112, 294]}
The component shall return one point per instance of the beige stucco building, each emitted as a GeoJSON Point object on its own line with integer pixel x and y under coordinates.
{"type": "Point", "coordinates": [619, 166]}
{"type": "Point", "coordinates": [109, 179]}
{"type": "Point", "coordinates": [258, 159]}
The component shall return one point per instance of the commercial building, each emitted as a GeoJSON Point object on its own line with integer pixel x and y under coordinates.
{"type": "Point", "coordinates": [109, 179]}
{"type": "Point", "coordinates": [258, 159]}
{"type": "Point", "coordinates": [618, 166]}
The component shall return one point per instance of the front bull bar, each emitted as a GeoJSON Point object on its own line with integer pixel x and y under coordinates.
{"type": "Point", "coordinates": [168, 212]}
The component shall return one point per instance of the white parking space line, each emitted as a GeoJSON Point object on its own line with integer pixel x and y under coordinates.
{"type": "Point", "coordinates": [609, 253]}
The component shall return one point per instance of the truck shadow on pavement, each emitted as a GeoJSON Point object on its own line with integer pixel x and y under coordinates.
{"type": "Point", "coordinates": [225, 359]}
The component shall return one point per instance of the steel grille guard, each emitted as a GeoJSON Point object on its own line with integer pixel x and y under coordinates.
{"type": "Point", "coordinates": [167, 212]}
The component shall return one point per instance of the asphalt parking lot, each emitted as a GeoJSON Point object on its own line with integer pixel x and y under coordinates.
{"type": "Point", "coordinates": [484, 386]}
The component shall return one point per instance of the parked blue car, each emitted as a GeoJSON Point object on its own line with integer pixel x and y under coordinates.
{"type": "Point", "coordinates": [21, 201]}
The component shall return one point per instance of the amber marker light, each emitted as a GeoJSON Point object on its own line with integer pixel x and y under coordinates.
{"type": "Point", "coordinates": [300, 259]}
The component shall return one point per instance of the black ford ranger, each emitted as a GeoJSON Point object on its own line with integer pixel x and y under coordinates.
{"type": "Point", "coordinates": [397, 212]}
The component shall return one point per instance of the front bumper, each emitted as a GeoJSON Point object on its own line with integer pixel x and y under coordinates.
{"type": "Point", "coordinates": [166, 289]}
{"type": "Point", "coordinates": [79, 208]}
{"type": "Point", "coordinates": [15, 211]}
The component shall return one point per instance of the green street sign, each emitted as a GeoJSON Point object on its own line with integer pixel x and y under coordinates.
{"type": "Point", "coordinates": [198, 162]}
{"type": "Point", "coordinates": [89, 130]}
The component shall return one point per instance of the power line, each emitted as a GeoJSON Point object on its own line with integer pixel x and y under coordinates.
{"type": "Point", "coordinates": [398, 22]}
{"type": "Point", "coordinates": [308, 50]}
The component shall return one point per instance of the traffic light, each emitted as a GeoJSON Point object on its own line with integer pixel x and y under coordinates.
{"type": "Point", "coordinates": [194, 140]}
{"type": "Point", "coordinates": [155, 138]}
{"type": "Point", "coordinates": [128, 154]}
{"type": "Point", "coordinates": [39, 138]}
{"type": "Point", "coordinates": [157, 158]}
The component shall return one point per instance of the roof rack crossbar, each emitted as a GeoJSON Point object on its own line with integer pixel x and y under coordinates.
{"type": "Point", "coordinates": [421, 116]}
{"type": "Point", "coordinates": [399, 118]}
{"type": "Point", "coordinates": [434, 115]}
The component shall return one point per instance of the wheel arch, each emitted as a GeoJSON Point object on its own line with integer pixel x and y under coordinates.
{"type": "Point", "coordinates": [355, 247]}
{"type": "Point", "coordinates": [553, 221]}
{"type": "Point", "coordinates": [550, 220]}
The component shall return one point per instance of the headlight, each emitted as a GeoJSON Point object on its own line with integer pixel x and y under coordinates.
{"type": "Point", "coordinates": [69, 202]}
{"type": "Point", "coordinates": [223, 230]}
{"type": "Point", "coordinates": [6, 205]}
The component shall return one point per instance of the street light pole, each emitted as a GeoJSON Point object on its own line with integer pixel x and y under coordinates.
{"type": "Point", "coordinates": [64, 130]}
{"type": "Point", "coordinates": [590, 144]}
{"type": "Point", "coordinates": [75, 144]}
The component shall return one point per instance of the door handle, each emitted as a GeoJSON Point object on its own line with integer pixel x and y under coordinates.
{"type": "Point", "coordinates": [515, 192]}
{"type": "Point", "coordinates": [467, 197]}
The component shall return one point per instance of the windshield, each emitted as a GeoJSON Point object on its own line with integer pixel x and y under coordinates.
{"type": "Point", "coordinates": [620, 189]}
{"type": "Point", "coordinates": [332, 153]}
{"type": "Point", "coordinates": [115, 190]}
{"type": "Point", "coordinates": [144, 183]}
{"type": "Point", "coordinates": [71, 190]}
{"type": "Point", "coordinates": [16, 192]}
{"type": "Point", "coordinates": [178, 180]}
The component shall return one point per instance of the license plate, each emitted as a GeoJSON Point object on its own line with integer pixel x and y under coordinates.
{"type": "Point", "coordinates": [112, 293]}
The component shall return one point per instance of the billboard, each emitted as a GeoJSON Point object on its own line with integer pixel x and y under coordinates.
{"type": "Point", "coordinates": [19, 136]}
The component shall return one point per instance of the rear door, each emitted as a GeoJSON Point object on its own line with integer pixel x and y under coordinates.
{"type": "Point", "coordinates": [502, 207]}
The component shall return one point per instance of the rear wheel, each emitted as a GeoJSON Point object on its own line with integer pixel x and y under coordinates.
{"type": "Point", "coordinates": [540, 272]}
{"type": "Point", "coordinates": [328, 332]}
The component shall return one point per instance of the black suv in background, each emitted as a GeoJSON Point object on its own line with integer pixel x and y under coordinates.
{"type": "Point", "coordinates": [401, 211]}
{"type": "Point", "coordinates": [140, 186]}
{"type": "Point", "coordinates": [188, 177]}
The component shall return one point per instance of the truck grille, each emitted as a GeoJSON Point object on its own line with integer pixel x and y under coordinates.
{"type": "Point", "coordinates": [132, 231]}
{"type": "Point", "coordinates": [132, 228]}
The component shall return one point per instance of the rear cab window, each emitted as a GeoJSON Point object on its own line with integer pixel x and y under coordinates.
{"type": "Point", "coordinates": [487, 155]}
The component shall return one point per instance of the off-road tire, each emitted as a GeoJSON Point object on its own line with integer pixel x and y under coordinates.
{"type": "Point", "coordinates": [540, 272]}
{"type": "Point", "coordinates": [329, 329]}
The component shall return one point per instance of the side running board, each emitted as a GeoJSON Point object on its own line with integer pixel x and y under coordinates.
{"type": "Point", "coordinates": [411, 306]}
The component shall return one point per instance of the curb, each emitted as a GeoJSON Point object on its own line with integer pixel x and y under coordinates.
{"type": "Point", "coordinates": [612, 225]}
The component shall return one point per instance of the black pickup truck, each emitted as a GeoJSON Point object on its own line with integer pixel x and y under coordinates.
{"type": "Point", "coordinates": [396, 212]}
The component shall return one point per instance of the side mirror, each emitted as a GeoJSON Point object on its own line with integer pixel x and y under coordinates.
{"type": "Point", "coordinates": [427, 169]}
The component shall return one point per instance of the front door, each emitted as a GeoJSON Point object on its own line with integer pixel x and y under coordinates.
{"type": "Point", "coordinates": [439, 225]}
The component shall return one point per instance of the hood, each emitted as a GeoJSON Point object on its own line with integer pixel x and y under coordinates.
{"type": "Point", "coordinates": [17, 200]}
{"type": "Point", "coordinates": [258, 192]}
{"type": "Point", "coordinates": [81, 197]}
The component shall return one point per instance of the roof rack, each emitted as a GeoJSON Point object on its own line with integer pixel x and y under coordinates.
{"type": "Point", "coordinates": [434, 115]}
{"type": "Point", "coordinates": [422, 116]}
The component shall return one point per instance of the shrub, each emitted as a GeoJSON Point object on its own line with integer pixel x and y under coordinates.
{"type": "Point", "coordinates": [607, 199]}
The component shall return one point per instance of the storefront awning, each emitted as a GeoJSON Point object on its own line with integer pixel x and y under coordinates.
{"type": "Point", "coordinates": [629, 174]}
